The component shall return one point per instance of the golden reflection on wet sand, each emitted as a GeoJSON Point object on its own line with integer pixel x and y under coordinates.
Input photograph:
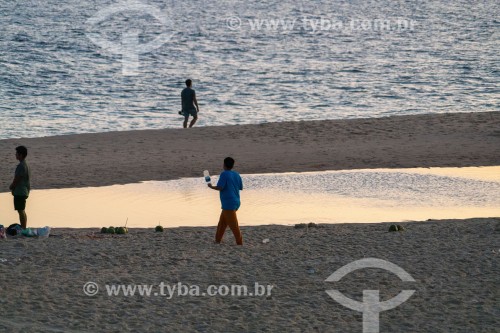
{"type": "Point", "coordinates": [149, 203]}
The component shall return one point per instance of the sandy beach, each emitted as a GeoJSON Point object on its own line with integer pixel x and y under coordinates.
{"type": "Point", "coordinates": [439, 140]}
{"type": "Point", "coordinates": [454, 262]}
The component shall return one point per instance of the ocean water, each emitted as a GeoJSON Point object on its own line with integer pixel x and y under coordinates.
{"type": "Point", "coordinates": [92, 66]}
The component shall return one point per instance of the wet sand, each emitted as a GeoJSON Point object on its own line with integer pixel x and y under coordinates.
{"type": "Point", "coordinates": [454, 262]}
{"type": "Point", "coordinates": [444, 140]}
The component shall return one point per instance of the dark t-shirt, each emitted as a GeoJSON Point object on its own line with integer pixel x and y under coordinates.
{"type": "Point", "coordinates": [23, 187]}
{"type": "Point", "coordinates": [187, 96]}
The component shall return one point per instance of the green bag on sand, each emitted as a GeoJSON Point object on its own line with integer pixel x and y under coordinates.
{"type": "Point", "coordinates": [36, 232]}
{"type": "Point", "coordinates": [29, 232]}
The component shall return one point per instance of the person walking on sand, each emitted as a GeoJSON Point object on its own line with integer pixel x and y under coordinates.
{"type": "Point", "coordinates": [20, 186]}
{"type": "Point", "coordinates": [229, 185]}
{"type": "Point", "coordinates": [189, 104]}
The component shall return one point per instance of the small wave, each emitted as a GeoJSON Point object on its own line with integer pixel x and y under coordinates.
{"type": "Point", "coordinates": [351, 71]}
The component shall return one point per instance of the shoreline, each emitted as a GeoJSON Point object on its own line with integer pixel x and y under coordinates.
{"type": "Point", "coordinates": [100, 159]}
{"type": "Point", "coordinates": [382, 226]}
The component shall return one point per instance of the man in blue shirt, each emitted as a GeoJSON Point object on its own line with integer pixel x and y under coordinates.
{"type": "Point", "coordinates": [229, 186]}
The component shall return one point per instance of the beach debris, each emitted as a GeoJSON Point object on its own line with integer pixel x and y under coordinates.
{"type": "Point", "coordinates": [43, 232]}
{"type": "Point", "coordinates": [306, 225]}
{"type": "Point", "coordinates": [311, 270]}
{"type": "Point", "coordinates": [36, 232]}
{"type": "Point", "coordinates": [16, 230]}
{"type": "Point", "coordinates": [29, 232]}
{"type": "Point", "coordinates": [265, 241]}
{"type": "Point", "coordinates": [159, 227]}
{"type": "Point", "coordinates": [113, 230]}
{"type": "Point", "coordinates": [3, 260]}
{"type": "Point", "coordinates": [396, 227]}
{"type": "Point", "coordinates": [125, 227]}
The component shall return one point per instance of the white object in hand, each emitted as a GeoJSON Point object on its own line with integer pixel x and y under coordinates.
{"type": "Point", "coordinates": [207, 176]}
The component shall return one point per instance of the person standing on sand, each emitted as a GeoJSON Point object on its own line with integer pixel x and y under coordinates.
{"type": "Point", "coordinates": [189, 104]}
{"type": "Point", "coordinates": [20, 186]}
{"type": "Point", "coordinates": [229, 186]}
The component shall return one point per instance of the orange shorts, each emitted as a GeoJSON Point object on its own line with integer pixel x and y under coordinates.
{"type": "Point", "coordinates": [229, 219]}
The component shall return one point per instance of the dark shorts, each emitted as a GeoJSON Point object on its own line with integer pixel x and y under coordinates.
{"type": "Point", "coordinates": [191, 112]}
{"type": "Point", "coordinates": [20, 202]}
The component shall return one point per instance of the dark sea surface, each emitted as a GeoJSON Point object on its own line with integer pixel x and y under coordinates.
{"type": "Point", "coordinates": [93, 66]}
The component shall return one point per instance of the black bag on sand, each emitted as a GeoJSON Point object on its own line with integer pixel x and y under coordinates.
{"type": "Point", "coordinates": [14, 229]}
